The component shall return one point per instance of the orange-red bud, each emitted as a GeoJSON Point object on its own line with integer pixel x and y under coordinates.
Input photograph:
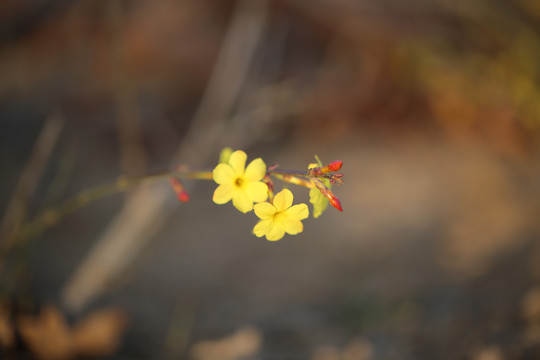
{"type": "Point", "coordinates": [179, 190]}
{"type": "Point", "coordinates": [183, 196]}
{"type": "Point", "coordinates": [335, 165]}
{"type": "Point", "coordinates": [334, 201]}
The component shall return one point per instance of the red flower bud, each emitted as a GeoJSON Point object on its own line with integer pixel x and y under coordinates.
{"type": "Point", "coordinates": [334, 201]}
{"type": "Point", "coordinates": [179, 190]}
{"type": "Point", "coordinates": [335, 165]}
{"type": "Point", "coordinates": [183, 196]}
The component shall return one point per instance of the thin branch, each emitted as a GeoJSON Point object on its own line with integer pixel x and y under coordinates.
{"type": "Point", "coordinates": [52, 216]}
{"type": "Point", "coordinates": [15, 214]}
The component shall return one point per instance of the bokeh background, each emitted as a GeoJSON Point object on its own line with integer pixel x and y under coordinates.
{"type": "Point", "coordinates": [433, 107]}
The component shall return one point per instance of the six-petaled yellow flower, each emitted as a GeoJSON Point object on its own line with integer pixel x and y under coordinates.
{"type": "Point", "coordinates": [240, 183]}
{"type": "Point", "coordinates": [280, 217]}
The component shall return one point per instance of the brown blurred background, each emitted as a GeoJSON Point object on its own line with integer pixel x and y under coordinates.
{"type": "Point", "coordinates": [433, 106]}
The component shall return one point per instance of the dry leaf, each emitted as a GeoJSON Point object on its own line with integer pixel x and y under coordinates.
{"type": "Point", "coordinates": [48, 335]}
{"type": "Point", "coordinates": [99, 333]}
{"type": "Point", "coordinates": [489, 353]}
{"type": "Point", "coordinates": [50, 338]}
{"type": "Point", "coordinates": [244, 342]}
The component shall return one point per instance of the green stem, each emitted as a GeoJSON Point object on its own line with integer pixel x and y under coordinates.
{"type": "Point", "coordinates": [294, 180]}
{"type": "Point", "coordinates": [306, 174]}
{"type": "Point", "coordinates": [53, 215]}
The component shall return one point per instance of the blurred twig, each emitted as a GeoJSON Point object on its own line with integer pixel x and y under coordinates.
{"type": "Point", "coordinates": [147, 209]}
{"type": "Point", "coordinates": [15, 214]}
{"type": "Point", "coordinates": [52, 216]}
{"type": "Point", "coordinates": [66, 167]}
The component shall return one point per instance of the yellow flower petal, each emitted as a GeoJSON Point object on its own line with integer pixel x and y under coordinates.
{"type": "Point", "coordinates": [292, 226]}
{"type": "Point", "coordinates": [263, 227]}
{"type": "Point", "coordinates": [223, 193]}
{"type": "Point", "coordinates": [256, 170]}
{"type": "Point", "coordinates": [275, 233]}
{"type": "Point", "coordinates": [257, 191]}
{"type": "Point", "coordinates": [241, 201]}
{"type": "Point", "coordinates": [223, 174]}
{"type": "Point", "coordinates": [238, 162]}
{"type": "Point", "coordinates": [297, 212]}
{"type": "Point", "coordinates": [264, 210]}
{"type": "Point", "coordinates": [283, 200]}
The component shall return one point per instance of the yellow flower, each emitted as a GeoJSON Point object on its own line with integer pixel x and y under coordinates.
{"type": "Point", "coordinates": [242, 185]}
{"type": "Point", "coordinates": [281, 217]}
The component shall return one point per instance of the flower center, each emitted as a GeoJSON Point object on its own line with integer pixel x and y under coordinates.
{"type": "Point", "coordinates": [238, 182]}
{"type": "Point", "coordinates": [278, 217]}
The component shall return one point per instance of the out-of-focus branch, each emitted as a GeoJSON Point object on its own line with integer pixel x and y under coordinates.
{"type": "Point", "coordinates": [147, 209]}
{"type": "Point", "coordinates": [15, 214]}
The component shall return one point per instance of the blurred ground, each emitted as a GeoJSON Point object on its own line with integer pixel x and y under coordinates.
{"type": "Point", "coordinates": [433, 106]}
